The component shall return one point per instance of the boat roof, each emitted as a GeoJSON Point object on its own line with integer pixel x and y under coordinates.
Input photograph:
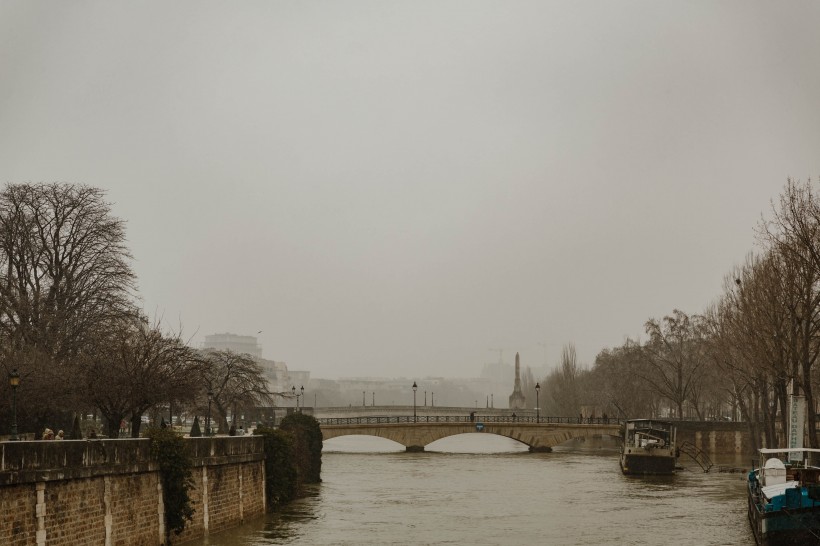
{"type": "Point", "coordinates": [772, 491]}
{"type": "Point", "coordinates": [789, 450]}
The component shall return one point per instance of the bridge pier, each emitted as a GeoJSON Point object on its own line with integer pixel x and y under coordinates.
{"type": "Point", "coordinates": [414, 449]}
{"type": "Point", "coordinates": [540, 449]}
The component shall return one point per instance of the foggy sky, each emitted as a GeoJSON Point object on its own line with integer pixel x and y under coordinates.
{"type": "Point", "coordinates": [393, 188]}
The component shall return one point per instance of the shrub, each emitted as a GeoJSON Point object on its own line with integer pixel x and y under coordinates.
{"type": "Point", "coordinates": [175, 473]}
{"type": "Point", "coordinates": [307, 439]}
{"type": "Point", "coordinates": [280, 468]}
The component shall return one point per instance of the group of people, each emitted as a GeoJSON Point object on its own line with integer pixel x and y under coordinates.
{"type": "Point", "coordinates": [48, 434]}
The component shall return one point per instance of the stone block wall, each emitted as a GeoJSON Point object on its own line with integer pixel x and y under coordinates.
{"type": "Point", "coordinates": [225, 495]}
{"type": "Point", "coordinates": [108, 492]}
{"type": "Point", "coordinates": [18, 514]}
{"type": "Point", "coordinates": [716, 438]}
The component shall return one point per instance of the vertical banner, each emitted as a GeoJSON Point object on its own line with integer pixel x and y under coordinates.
{"type": "Point", "coordinates": [797, 418]}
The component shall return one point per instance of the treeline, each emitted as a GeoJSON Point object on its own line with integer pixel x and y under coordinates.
{"type": "Point", "coordinates": [71, 326]}
{"type": "Point", "coordinates": [737, 359]}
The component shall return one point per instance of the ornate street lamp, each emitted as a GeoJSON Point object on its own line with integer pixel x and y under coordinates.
{"type": "Point", "coordinates": [415, 387]}
{"type": "Point", "coordinates": [363, 403]}
{"type": "Point", "coordinates": [303, 397]}
{"type": "Point", "coordinates": [293, 390]}
{"type": "Point", "coordinates": [537, 405]}
{"type": "Point", "coordinates": [14, 382]}
{"type": "Point", "coordinates": [432, 399]}
{"type": "Point", "coordinates": [208, 426]}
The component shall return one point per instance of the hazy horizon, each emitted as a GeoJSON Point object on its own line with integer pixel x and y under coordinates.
{"type": "Point", "coordinates": [398, 189]}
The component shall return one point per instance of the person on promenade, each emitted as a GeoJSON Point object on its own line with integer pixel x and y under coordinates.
{"type": "Point", "coordinates": [60, 435]}
{"type": "Point", "coordinates": [48, 434]}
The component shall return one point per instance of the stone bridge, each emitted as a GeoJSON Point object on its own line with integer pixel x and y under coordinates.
{"type": "Point", "coordinates": [539, 434]}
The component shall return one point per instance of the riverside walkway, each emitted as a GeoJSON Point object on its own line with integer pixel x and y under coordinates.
{"type": "Point", "coordinates": [415, 432]}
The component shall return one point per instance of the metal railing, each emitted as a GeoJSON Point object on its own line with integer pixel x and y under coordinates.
{"type": "Point", "coordinates": [422, 419]}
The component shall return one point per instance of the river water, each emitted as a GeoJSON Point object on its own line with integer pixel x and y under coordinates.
{"type": "Point", "coordinates": [485, 489]}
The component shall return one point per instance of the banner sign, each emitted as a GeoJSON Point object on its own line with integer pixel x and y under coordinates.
{"type": "Point", "coordinates": [797, 418]}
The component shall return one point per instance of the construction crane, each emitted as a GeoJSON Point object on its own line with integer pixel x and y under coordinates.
{"type": "Point", "coordinates": [500, 354]}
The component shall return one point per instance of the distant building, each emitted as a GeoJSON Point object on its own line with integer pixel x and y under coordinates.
{"type": "Point", "coordinates": [233, 342]}
{"type": "Point", "coordinates": [517, 399]}
{"type": "Point", "coordinates": [276, 373]}
{"type": "Point", "coordinates": [280, 380]}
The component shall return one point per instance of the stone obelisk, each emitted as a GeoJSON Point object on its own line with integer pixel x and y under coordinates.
{"type": "Point", "coordinates": [517, 399]}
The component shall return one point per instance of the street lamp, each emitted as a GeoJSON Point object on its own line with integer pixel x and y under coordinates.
{"type": "Point", "coordinates": [363, 402]}
{"type": "Point", "coordinates": [415, 387]}
{"type": "Point", "coordinates": [373, 399]}
{"type": "Point", "coordinates": [432, 399]}
{"type": "Point", "coordinates": [293, 390]}
{"type": "Point", "coordinates": [537, 405]}
{"type": "Point", "coordinates": [208, 425]}
{"type": "Point", "coordinates": [303, 397]}
{"type": "Point", "coordinates": [14, 382]}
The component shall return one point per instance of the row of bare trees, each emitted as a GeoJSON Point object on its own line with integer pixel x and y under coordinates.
{"type": "Point", "coordinates": [737, 359]}
{"type": "Point", "coordinates": [71, 326]}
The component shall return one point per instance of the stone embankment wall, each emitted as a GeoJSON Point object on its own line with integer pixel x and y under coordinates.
{"type": "Point", "coordinates": [109, 491]}
{"type": "Point", "coordinates": [715, 437]}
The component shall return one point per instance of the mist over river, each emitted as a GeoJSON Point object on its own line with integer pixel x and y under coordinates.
{"type": "Point", "coordinates": [485, 489]}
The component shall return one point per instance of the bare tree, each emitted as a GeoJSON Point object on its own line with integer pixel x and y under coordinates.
{"type": "Point", "coordinates": [135, 367]}
{"type": "Point", "coordinates": [234, 381]}
{"type": "Point", "coordinates": [64, 273]}
{"type": "Point", "coordinates": [793, 234]}
{"type": "Point", "coordinates": [561, 385]}
{"type": "Point", "coordinates": [674, 355]}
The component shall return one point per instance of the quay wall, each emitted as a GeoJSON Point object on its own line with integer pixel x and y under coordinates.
{"type": "Point", "coordinates": [109, 492]}
{"type": "Point", "coordinates": [716, 438]}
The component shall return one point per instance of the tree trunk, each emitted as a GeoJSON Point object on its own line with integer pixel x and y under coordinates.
{"type": "Point", "coordinates": [112, 424]}
{"type": "Point", "coordinates": [136, 422]}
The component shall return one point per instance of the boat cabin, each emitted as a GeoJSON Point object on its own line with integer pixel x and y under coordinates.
{"type": "Point", "coordinates": [649, 434]}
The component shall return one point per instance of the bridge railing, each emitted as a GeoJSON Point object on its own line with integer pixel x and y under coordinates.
{"type": "Point", "coordinates": [409, 419]}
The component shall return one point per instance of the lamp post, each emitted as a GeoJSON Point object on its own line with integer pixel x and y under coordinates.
{"type": "Point", "coordinates": [293, 390]}
{"type": "Point", "coordinates": [537, 405]}
{"type": "Point", "coordinates": [303, 397]}
{"type": "Point", "coordinates": [425, 399]}
{"type": "Point", "coordinates": [14, 382]}
{"type": "Point", "coordinates": [432, 399]}
{"type": "Point", "coordinates": [373, 399]}
{"type": "Point", "coordinates": [208, 423]}
{"type": "Point", "coordinates": [363, 402]}
{"type": "Point", "coordinates": [415, 387]}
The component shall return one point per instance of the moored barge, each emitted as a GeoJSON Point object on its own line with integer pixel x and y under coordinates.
{"type": "Point", "coordinates": [784, 498]}
{"type": "Point", "coordinates": [648, 447]}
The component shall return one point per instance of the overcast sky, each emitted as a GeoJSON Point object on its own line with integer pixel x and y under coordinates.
{"type": "Point", "coordinates": [394, 188]}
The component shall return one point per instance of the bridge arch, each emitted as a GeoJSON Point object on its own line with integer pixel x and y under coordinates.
{"type": "Point", "coordinates": [367, 443]}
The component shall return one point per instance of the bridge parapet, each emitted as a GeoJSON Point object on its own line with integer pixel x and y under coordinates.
{"type": "Point", "coordinates": [409, 419]}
